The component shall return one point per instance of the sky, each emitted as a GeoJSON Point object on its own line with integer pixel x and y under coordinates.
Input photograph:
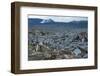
{"type": "Point", "coordinates": [60, 18]}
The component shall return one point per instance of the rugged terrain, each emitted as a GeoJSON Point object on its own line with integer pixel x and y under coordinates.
{"type": "Point", "coordinates": [58, 41]}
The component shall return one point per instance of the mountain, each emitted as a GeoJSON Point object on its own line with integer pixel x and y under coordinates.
{"type": "Point", "coordinates": [51, 23]}
{"type": "Point", "coordinates": [47, 21]}
{"type": "Point", "coordinates": [34, 21]}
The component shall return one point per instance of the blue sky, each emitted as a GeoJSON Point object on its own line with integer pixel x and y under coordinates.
{"type": "Point", "coordinates": [60, 18]}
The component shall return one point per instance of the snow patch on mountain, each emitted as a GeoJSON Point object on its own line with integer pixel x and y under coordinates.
{"type": "Point", "coordinates": [47, 21]}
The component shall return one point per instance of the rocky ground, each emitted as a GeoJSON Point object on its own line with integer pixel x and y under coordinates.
{"type": "Point", "coordinates": [50, 45]}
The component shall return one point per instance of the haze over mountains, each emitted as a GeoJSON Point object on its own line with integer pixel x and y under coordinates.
{"type": "Point", "coordinates": [49, 22]}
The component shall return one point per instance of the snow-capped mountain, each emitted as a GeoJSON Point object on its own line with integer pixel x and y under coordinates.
{"type": "Point", "coordinates": [51, 23]}
{"type": "Point", "coordinates": [47, 21]}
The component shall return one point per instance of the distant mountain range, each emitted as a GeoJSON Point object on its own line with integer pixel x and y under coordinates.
{"type": "Point", "coordinates": [49, 22]}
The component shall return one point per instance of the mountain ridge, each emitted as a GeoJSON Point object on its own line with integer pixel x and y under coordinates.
{"type": "Point", "coordinates": [50, 22]}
